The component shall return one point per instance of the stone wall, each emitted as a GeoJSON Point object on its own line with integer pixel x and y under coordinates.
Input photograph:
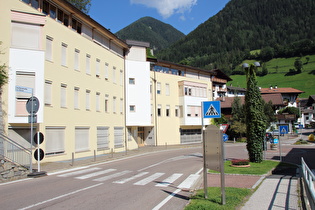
{"type": "Point", "coordinates": [9, 171]}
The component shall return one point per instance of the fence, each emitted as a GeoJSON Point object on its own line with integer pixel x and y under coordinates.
{"type": "Point", "coordinates": [308, 178]}
{"type": "Point", "coordinates": [14, 152]}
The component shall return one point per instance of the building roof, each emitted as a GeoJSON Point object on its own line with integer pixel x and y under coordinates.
{"type": "Point", "coordinates": [276, 100]}
{"type": "Point", "coordinates": [280, 90]}
{"type": "Point", "coordinates": [239, 89]}
{"type": "Point", "coordinates": [311, 100]}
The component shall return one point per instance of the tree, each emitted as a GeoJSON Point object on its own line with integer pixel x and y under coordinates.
{"type": "Point", "coordinates": [269, 113]}
{"type": "Point", "coordinates": [3, 81]}
{"type": "Point", "coordinates": [255, 117]}
{"type": "Point", "coordinates": [83, 5]}
{"type": "Point", "coordinates": [238, 117]}
{"type": "Point", "coordinates": [298, 65]}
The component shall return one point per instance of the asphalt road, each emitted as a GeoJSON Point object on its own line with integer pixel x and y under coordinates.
{"type": "Point", "coordinates": [150, 181]}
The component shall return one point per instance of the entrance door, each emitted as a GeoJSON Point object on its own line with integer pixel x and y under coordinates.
{"type": "Point", "coordinates": [141, 136]}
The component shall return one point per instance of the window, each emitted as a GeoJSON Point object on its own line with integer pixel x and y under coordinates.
{"type": "Point", "coordinates": [121, 106]}
{"type": "Point", "coordinates": [176, 111]}
{"type": "Point", "coordinates": [158, 88]}
{"type": "Point", "coordinates": [23, 79]}
{"type": "Point", "coordinates": [25, 36]}
{"type": "Point", "coordinates": [121, 77]}
{"type": "Point", "coordinates": [97, 102]}
{"type": "Point", "coordinates": [64, 54]}
{"type": "Point", "coordinates": [193, 111]}
{"type": "Point", "coordinates": [167, 113]}
{"type": "Point", "coordinates": [114, 104]}
{"type": "Point", "coordinates": [106, 71]}
{"type": "Point", "coordinates": [97, 67]}
{"type": "Point", "coordinates": [52, 11]}
{"type": "Point", "coordinates": [48, 88]}
{"type": "Point", "coordinates": [76, 25]}
{"type": "Point", "coordinates": [159, 110]}
{"type": "Point", "coordinates": [77, 59]}
{"type": "Point", "coordinates": [88, 64]}
{"type": "Point", "coordinates": [106, 103]}
{"type": "Point", "coordinates": [54, 140]}
{"type": "Point", "coordinates": [114, 75]}
{"type": "Point", "coordinates": [132, 81]}
{"type": "Point", "coordinates": [87, 100]}
{"type": "Point", "coordinates": [76, 98]}
{"type": "Point", "coordinates": [132, 108]}
{"type": "Point", "coordinates": [81, 139]}
{"type": "Point", "coordinates": [102, 138]}
{"type": "Point", "coordinates": [63, 96]}
{"type": "Point", "coordinates": [49, 47]}
{"type": "Point", "coordinates": [167, 89]}
{"type": "Point", "coordinates": [118, 136]}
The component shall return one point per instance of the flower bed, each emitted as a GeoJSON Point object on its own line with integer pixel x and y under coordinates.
{"type": "Point", "coordinates": [240, 163]}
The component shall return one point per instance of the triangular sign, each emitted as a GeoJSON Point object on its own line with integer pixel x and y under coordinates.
{"type": "Point", "coordinates": [212, 111]}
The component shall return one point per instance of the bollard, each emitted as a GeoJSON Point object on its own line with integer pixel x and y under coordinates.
{"type": "Point", "coordinates": [72, 164]}
{"type": "Point", "coordinates": [165, 145]}
{"type": "Point", "coordinates": [112, 152]}
{"type": "Point", "coordinates": [94, 156]}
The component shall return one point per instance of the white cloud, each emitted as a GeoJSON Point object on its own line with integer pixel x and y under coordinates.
{"type": "Point", "coordinates": [167, 8]}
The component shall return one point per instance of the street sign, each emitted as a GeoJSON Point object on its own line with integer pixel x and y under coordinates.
{"type": "Point", "coordinates": [32, 105]}
{"type": "Point", "coordinates": [38, 138]}
{"type": "Point", "coordinates": [224, 127]}
{"type": "Point", "coordinates": [211, 109]}
{"type": "Point", "coordinates": [284, 129]}
{"type": "Point", "coordinates": [24, 89]}
{"type": "Point", "coordinates": [40, 155]}
{"type": "Point", "coordinates": [275, 141]}
{"type": "Point", "coordinates": [225, 137]}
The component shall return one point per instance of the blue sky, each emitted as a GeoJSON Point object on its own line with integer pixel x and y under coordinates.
{"type": "Point", "coordinates": [184, 15]}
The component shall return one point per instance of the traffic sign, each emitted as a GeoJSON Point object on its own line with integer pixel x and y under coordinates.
{"type": "Point", "coordinates": [23, 89]}
{"type": "Point", "coordinates": [225, 137]}
{"type": "Point", "coordinates": [32, 105]}
{"type": "Point", "coordinates": [275, 141]}
{"type": "Point", "coordinates": [41, 154]}
{"type": "Point", "coordinates": [211, 109]}
{"type": "Point", "coordinates": [284, 129]}
{"type": "Point", "coordinates": [38, 138]}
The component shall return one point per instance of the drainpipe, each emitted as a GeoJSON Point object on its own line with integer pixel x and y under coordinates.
{"type": "Point", "coordinates": [155, 111]}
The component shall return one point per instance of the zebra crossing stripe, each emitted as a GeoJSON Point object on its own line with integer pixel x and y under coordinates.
{"type": "Point", "coordinates": [79, 172]}
{"type": "Point", "coordinates": [169, 180]}
{"type": "Point", "coordinates": [149, 179]}
{"type": "Point", "coordinates": [187, 183]}
{"type": "Point", "coordinates": [111, 176]}
{"type": "Point", "coordinates": [96, 174]}
{"type": "Point", "coordinates": [122, 181]}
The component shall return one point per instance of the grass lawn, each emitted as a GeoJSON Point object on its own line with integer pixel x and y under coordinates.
{"type": "Point", "coordinates": [234, 197]}
{"type": "Point", "coordinates": [254, 169]}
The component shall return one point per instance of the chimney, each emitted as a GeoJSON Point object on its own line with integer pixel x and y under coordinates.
{"type": "Point", "coordinates": [276, 86]}
{"type": "Point", "coordinates": [270, 87]}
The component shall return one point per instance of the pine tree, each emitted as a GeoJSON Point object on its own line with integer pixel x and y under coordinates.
{"type": "Point", "coordinates": [255, 117]}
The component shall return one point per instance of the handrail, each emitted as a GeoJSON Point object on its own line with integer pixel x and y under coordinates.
{"type": "Point", "coordinates": [14, 152]}
{"type": "Point", "coordinates": [309, 179]}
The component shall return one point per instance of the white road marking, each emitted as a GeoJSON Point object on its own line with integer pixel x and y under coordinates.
{"type": "Point", "coordinates": [166, 182]}
{"type": "Point", "coordinates": [149, 179]}
{"type": "Point", "coordinates": [166, 199]}
{"type": "Point", "coordinates": [79, 172]}
{"type": "Point", "coordinates": [111, 176]}
{"type": "Point", "coordinates": [95, 174]}
{"type": "Point", "coordinates": [122, 181]}
{"type": "Point", "coordinates": [61, 196]}
{"type": "Point", "coordinates": [67, 170]}
{"type": "Point", "coordinates": [187, 183]}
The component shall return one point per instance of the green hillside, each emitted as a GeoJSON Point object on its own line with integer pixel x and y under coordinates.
{"type": "Point", "coordinates": [277, 68]}
{"type": "Point", "coordinates": [147, 29]}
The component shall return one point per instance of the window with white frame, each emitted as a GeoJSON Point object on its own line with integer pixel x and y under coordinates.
{"type": "Point", "coordinates": [132, 108]}
{"type": "Point", "coordinates": [76, 97]}
{"type": "Point", "coordinates": [97, 102]}
{"type": "Point", "coordinates": [63, 96]}
{"type": "Point", "coordinates": [159, 110]}
{"type": "Point", "coordinates": [106, 103]}
{"type": "Point", "coordinates": [54, 140]}
{"type": "Point", "coordinates": [23, 79]}
{"type": "Point", "coordinates": [97, 67]}
{"type": "Point", "coordinates": [87, 100]}
{"type": "Point", "coordinates": [88, 64]}
{"type": "Point", "coordinates": [81, 139]}
{"type": "Point", "coordinates": [167, 89]}
{"type": "Point", "coordinates": [64, 54]}
{"type": "Point", "coordinates": [176, 111]}
{"type": "Point", "coordinates": [132, 81]}
{"type": "Point", "coordinates": [158, 91]}
{"type": "Point", "coordinates": [121, 77]}
{"type": "Point", "coordinates": [77, 59]}
{"type": "Point", "coordinates": [121, 106]}
{"type": "Point", "coordinates": [167, 113]}
{"type": "Point", "coordinates": [102, 138]}
{"type": "Point", "coordinates": [118, 137]}
{"type": "Point", "coordinates": [25, 36]}
{"type": "Point", "coordinates": [49, 48]}
{"type": "Point", "coordinates": [106, 71]}
{"type": "Point", "coordinates": [114, 75]}
{"type": "Point", "coordinates": [114, 104]}
{"type": "Point", "coordinates": [48, 92]}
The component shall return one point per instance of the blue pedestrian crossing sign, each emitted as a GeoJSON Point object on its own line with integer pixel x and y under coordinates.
{"type": "Point", "coordinates": [225, 137]}
{"type": "Point", "coordinates": [283, 129]}
{"type": "Point", "coordinates": [211, 109]}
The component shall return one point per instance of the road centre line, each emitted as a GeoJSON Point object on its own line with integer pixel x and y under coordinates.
{"type": "Point", "coordinates": [61, 196]}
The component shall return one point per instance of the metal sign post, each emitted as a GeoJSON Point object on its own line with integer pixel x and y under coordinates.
{"type": "Point", "coordinates": [213, 151]}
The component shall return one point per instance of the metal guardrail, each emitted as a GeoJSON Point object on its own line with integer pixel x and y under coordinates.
{"type": "Point", "coordinates": [308, 178]}
{"type": "Point", "coordinates": [14, 152]}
